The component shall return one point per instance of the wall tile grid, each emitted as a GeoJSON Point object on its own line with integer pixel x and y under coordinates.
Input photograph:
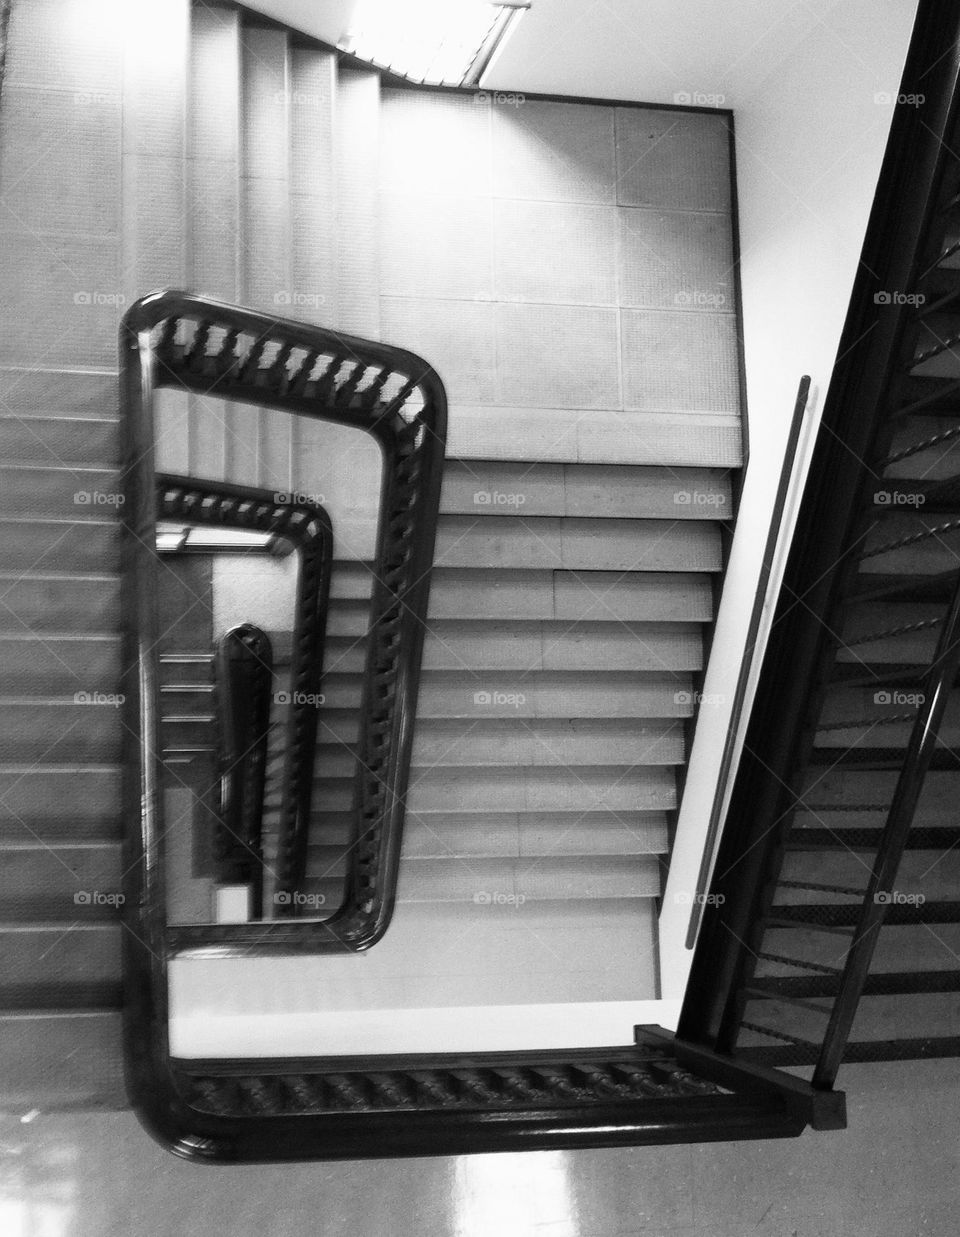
{"type": "Point", "coordinates": [561, 256]}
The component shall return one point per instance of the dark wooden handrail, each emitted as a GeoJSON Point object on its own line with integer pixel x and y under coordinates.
{"type": "Point", "coordinates": [304, 526]}
{"type": "Point", "coordinates": [192, 343]}
{"type": "Point", "coordinates": [244, 683]}
{"type": "Point", "coordinates": [299, 1109]}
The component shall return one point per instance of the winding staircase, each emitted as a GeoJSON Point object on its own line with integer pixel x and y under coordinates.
{"type": "Point", "coordinates": [571, 600]}
{"type": "Point", "coordinates": [577, 551]}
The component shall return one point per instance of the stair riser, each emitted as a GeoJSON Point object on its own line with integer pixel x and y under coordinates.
{"type": "Point", "coordinates": [71, 606]}
{"type": "Point", "coordinates": [578, 545]}
{"type": "Point", "coordinates": [591, 595]}
{"type": "Point", "coordinates": [60, 546]}
{"type": "Point", "coordinates": [502, 883]}
{"type": "Point", "coordinates": [58, 442]}
{"type": "Point", "coordinates": [61, 883]}
{"type": "Point", "coordinates": [56, 1061]}
{"type": "Point", "coordinates": [480, 488]}
{"type": "Point", "coordinates": [49, 667]}
{"type": "Point", "coordinates": [49, 956]}
{"type": "Point", "coordinates": [62, 731]}
{"type": "Point", "coordinates": [33, 798]}
{"type": "Point", "coordinates": [82, 494]}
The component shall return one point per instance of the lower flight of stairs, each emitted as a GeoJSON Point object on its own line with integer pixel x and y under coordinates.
{"type": "Point", "coordinates": [60, 983]}
{"type": "Point", "coordinates": [560, 665]}
{"type": "Point", "coordinates": [566, 631]}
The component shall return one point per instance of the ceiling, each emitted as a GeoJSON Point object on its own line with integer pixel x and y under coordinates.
{"type": "Point", "coordinates": [651, 51]}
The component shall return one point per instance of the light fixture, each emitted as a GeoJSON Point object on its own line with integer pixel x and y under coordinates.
{"type": "Point", "coordinates": [436, 42]}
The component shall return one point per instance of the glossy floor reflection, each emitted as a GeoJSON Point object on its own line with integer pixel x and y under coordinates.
{"type": "Point", "coordinates": [895, 1171]}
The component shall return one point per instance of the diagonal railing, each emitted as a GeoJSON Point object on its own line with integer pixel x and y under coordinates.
{"type": "Point", "coordinates": [845, 532]}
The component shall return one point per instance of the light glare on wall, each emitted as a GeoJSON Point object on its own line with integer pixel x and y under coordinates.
{"type": "Point", "coordinates": [441, 42]}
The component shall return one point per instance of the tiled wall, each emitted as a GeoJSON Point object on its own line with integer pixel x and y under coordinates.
{"type": "Point", "coordinates": [556, 255]}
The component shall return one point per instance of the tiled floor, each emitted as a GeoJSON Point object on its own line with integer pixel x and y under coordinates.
{"type": "Point", "coordinates": [893, 1172]}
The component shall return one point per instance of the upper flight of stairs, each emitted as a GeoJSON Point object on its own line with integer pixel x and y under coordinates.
{"type": "Point", "coordinates": [586, 608]}
{"type": "Point", "coordinates": [582, 608]}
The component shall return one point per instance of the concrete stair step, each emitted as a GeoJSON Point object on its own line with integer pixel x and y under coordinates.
{"type": "Point", "coordinates": [533, 834]}
{"type": "Point", "coordinates": [513, 881]}
{"type": "Point", "coordinates": [507, 742]}
{"type": "Point", "coordinates": [64, 1060]}
{"type": "Point", "coordinates": [588, 595]}
{"type": "Point", "coordinates": [63, 882]}
{"type": "Point", "coordinates": [517, 593]}
{"type": "Point", "coordinates": [554, 694]}
{"type": "Point", "coordinates": [585, 788]}
{"type": "Point", "coordinates": [915, 626]}
{"type": "Point", "coordinates": [933, 875]}
{"type": "Point", "coordinates": [483, 487]}
{"type": "Point", "coordinates": [597, 436]}
{"type": "Point", "coordinates": [489, 834]}
{"type": "Point", "coordinates": [539, 694]}
{"type": "Point", "coordinates": [849, 793]}
{"type": "Point", "coordinates": [186, 669]}
{"type": "Point", "coordinates": [524, 646]}
{"type": "Point", "coordinates": [194, 700]}
{"type": "Point", "coordinates": [935, 463]}
{"type": "Point", "coordinates": [63, 545]}
{"type": "Point", "coordinates": [57, 730]}
{"type": "Point", "coordinates": [577, 544]}
{"type": "Point", "coordinates": [480, 880]}
{"type": "Point", "coordinates": [76, 393]}
{"type": "Point", "coordinates": [58, 441]}
{"type": "Point", "coordinates": [58, 663]}
{"type": "Point", "coordinates": [59, 492]}
{"type": "Point", "coordinates": [46, 964]}
{"type": "Point", "coordinates": [927, 555]}
{"type": "Point", "coordinates": [557, 645]}
{"type": "Point", "coordinates": [59, 802]}
{"type": "Point", "coordinates": [878, 1018]}
{"type": "Point", "coordinates": [911, 947]}
{"type": "Point", "coordinates": [61, 603]}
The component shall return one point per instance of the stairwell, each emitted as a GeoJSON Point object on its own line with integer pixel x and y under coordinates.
{"type": "Point", "coordinates": [592, 456]}
{"type": "Point", "coordinates": [885, 639]}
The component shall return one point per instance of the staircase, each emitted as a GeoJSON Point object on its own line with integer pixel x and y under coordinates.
{"type": "Point", "coordinates": [59, 777]}
{"type": "Point", "coordinates": [573, 582]}
{"type": "Point", "coordinates": [825, 850]}
{"type": "Point", "coordinates": [588, 487]}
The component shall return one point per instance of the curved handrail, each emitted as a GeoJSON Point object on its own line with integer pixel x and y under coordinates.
{"type": "Point", "coordinates": [230, 1111]}
{"type": "Point", "coordinates": [307, 526]}
{"type": "Point", "coordinates": [179, 339]}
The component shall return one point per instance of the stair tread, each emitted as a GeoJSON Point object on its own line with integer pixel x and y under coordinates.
{"type": "Point", "coordinates": [483, 487]}
{"type": "Point", "coordinates": [571, 543]}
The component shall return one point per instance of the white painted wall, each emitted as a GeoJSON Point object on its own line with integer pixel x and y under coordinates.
{"type": "Point", "coordinates": [810, 139]}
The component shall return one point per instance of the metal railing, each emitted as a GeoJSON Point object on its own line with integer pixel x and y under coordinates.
{"type": "Point", "coordinates": [786, 490]}
{"type": "Point", "coordinates": [874, 393]}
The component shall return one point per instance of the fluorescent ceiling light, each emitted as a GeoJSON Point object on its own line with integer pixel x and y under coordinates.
{"type": "Point", "coordinates": [184, 539]}
{"type": "Point", "coordinates": [440, 42]}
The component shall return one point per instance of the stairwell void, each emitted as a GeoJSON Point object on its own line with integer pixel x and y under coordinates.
{"type": "Point", "coordinates": [568, 269]}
